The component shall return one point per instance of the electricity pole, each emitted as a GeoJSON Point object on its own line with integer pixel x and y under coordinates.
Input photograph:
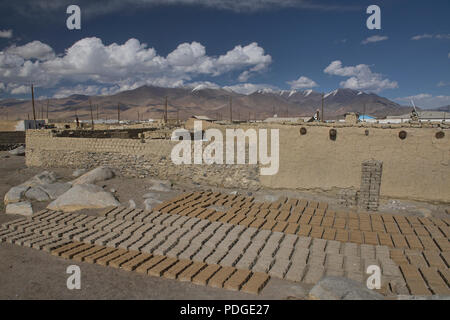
{"type": "Point", "coordinates": [231, 110]}
{"type": "Point", "coordinates": [118, 113]}
{"type": "Point", "coordinates": [32, 101]}
{"type": "Point", "coordinates": [322, 117]}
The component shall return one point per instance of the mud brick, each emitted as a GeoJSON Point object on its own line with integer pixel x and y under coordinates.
{"type": "Point", "coordinates": [334, 261]}
{"type": "Point", "coordinates": [304, 230]}
{"type": "Point", "coordinates": [298, 210]}
{"type": "Point", "coordinates": [29, 243]}
{"type": "Point", "coordinates": [342, 235]}
{"type": "Point", "coordinates": [273, 215]}
{"type": "Point", "coordinates": [188, 273]}
{"type": "Point", "coordinates": [280, 226]}
{"type": "Point", "coordinates": [435, 232]}
{"type": "Point", "coordinates": [114, 212]}
{"type": "Point", "coordinates": [350, 249]}
{"type": "Point", "coordinates": [150, 263]}
{"type": "Point", "coordinates": [378, 226]}
{"type": "Point", "coordinates": [434, 260]}
{"type": "Point", "coordinates": [174, 271]}
{"type": "Point", "coordinates": [92, 258]}
{"type": "Point", "coordinates": [52, 244]}
{"type": "Point", "coordinates": [428, 243]}
{"type": "Point", "coordinates": [82, 255]}
{"type": "Point", "coordinates": [438, 222]}
{"type": "Point", "coordinates": [69, 254]}
{"type": "Point", "coordinates": [317, 232]}
{"type": "Point", "coordinates": [296, 271]}
{"type": "Point", "coordinates": [341, 214]}
{"type": "Point", "coordinates": [365, 225]}
{"type": "Point", "coordinates": [66, 247]}
{"type": "Point", "coordinates": [339, 223]}
{"type": "Point", "coordinates": [268, 225]}
{"type": "Point", "coordinates": [446, 257]}
{"type": "Point", "coordinates": [121, 260]}
{"type": "Point", "coordinates": [382, 253]}
{"type": "Point", "coordinates": [309, 211]}
{"type": "Point", "coordinates": [226, 218]}
{"type": "Point", "coordinates": [405, 228]}
{"type": "Point", "coordinates": [413, 242]}
{"type": "Point", "coordinates": [399, 259]}
{"type": "Point", "coordinates": [370, 238]}
{"type": "Point", "coordinates": [367, 251]}
{"type": "Point", "coordinates": [334, 272]}
{"type": "Point", "coordinates": [414, 221]}
{"type": "Point", "coordinates": [316, 220]}
{"type": "Point", "coordinates": [385, 239]}
{"type": "Point", "coordinates": [293, 218]}
{"type": "Point", "coordinates": [333, 247]}
{"type": "Point", "coordinates": [329, 233]}
{"type": "Point", "coordinates": [399, 241]}
{"type": "Point", "coordinates": [391, 227]}
{"type": "Point", "coordinates": [353, 224]}
{"type": "Point", "coordinates": [327, 222]}
{"type": "Point", "coordinates": [237, 280]}
{"type": "Point", "coordinates": [116, 253]}
{"type": "Point", "coordinates": [418, 288]}
{"type": "Point", "coordinates": [445, 274]}
{"type": "Point", "coordinates": [316, 259]}
{"type": "Point", "coordinates": [222, 275]}
{"type": "Point", "coordinates": [443, 244]}
{"type": "Point", "coordinates": [247, 221]}
{"type": "Point", "coordinates": [314, 274]}
{"type": "Point", "coordinates": [159, 269]}
{"type": "Point", "coordinates": [263, 263]}
{"type": "Point", "coordinates": [421, 231]}
{"type": "Point", "coordinates": [352, 264]}
{"type": "Point", "coordinates": [122, 215]}
{"type": "Point", "coordinates": [255, 283]}
{"type": "Point", "coordinates": [205, 274]}
{"type": "Point", "coordinates": [356, 237]}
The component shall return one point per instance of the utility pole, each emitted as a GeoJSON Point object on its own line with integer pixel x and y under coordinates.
{"type": "Point", "coordinates": [178, 116]}
{"type": "Point", "coordinates": [364, 113]}
{"type": "Point", "coordinates": [32, 101]}
{"type": "Point", "coordinates": [165, 112]}
{"type": "Point", "coordinates": [231, 110]}
{"type": "Point", "coordinates": [321, 116]}
{"type": "Point", "coordinates": [48, 102]}
{"type": "Point", "coordinates": [97, 113]}
{"type": "Point", "coordinates": [92, 116]}
{"type": "Point", "coordinates": [287, 111]}
{"type": "Point", "coordinates": [118, 112]}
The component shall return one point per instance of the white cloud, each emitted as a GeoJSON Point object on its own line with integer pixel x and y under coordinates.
{"type": "Point", "coordinates": [430, 36]}
{"type": "Point", "coordinates": [443, 84]}
{"type": "Point", "coordinates": [249, 88]}
{"type": "Point", "coordinates": [32, 50]}
{"type": "Point", "coordinates": [426, 100]}
{"type": "Point", "coordinates": [374, 39]}
{"type": "Point", "coordinates": [125, 66]}
{"type": "Point", "coordinates": [302, 83]}
{"type": "Point", "coordinates": [7, 34]}
{"type": "Point", "coordinates": [360, 76]}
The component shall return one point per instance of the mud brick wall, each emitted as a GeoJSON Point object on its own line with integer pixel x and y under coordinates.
{"type": "Point", "coordinates": [11, 139]}
{"type": "Point", "coordinates": [369, 193]}
{"type": "Point", "coordinates": [132, 158]}
{"type": "Point", "coordinates": [414, 168]}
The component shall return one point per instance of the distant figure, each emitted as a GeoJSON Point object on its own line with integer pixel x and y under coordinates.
{"type": "Point", "coordinates": [317, 115]}
{"type": "Point", "coordinates": [78, 121]}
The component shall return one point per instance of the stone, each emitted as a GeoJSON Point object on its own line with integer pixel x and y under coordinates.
{"type": "Point", "coordinates": [78, 172]}
{"type": "Point", "coordinates": [15, 194]}
{"type": "Point", "coordinates": [150, 195]}
{"type": "Point", "coordinates": [45, 177]}
{"type": "Point", "coordinates": [270, 198]}
{"type": "Point", "coordinates": [54, 190]}
{"type": "Point", "coordinates": [150, 203]}
{"type": "Point", "coordinates": [35, 193]}
{"type": "Point", "coordinates": [83, 196]}
{"type": "Point", "coordinates": [160, 185]}
{"type": "Point", "coordinates": [338, 288]}
{"type": "Point", "coordinates": [23, 208]}
{"type": "Point", "coordinates": [98, 174]}
{"type": "Point", "coordinates": [132, 204]}
{"type": "Point", "coordinates": [19, 151]}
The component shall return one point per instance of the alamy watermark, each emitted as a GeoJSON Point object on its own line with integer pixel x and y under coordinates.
{"type": "Point", "coordinates": [228, 152]}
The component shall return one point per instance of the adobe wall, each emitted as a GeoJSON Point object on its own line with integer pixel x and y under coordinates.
{"type": "Point", "coordinates": [417, 167]}
{"type": "Point", "coordinates": [131, 157]}
{"type": "Point", "coordinates": [11, 139]}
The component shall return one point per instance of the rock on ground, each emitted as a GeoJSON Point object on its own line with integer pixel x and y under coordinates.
{"type": "Point", "coordinates": [15, 194]}
{"type": "Point", "coordinates": [338, 288]}
{"type": "Point", "coordinates": [45, 177]}
{"type": "Point", "coordinates": [78, 172]}
{"type": "Point", "coordinates": [150, 203]}
{"type": "Point", "coordinates": [37, 194]}
{"type": "Point", "coordinates": [54, 190]}
{"type": "Point", "coordinates": [150, 195]}
{"type": "Point", "coordinates": [23, 208]}
{"type": "Point", "coordinates": [83, 196]}
{"type": "Point", "coordinates": [19, 151]}
{"type": "Point", "coordinates": [98, 174]}
{"type": "Point", "coordinates": [160, 185]}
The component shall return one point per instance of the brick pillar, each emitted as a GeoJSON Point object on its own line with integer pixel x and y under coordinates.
{"type": "Point", "coordinates": [369, 193]}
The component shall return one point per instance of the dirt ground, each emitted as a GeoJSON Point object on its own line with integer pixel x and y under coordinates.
{"type": "Point", "coordinates": [30, 274]}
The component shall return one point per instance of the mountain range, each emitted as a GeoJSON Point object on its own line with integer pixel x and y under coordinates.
{"type": "Point", "coordinates": [149, 102]}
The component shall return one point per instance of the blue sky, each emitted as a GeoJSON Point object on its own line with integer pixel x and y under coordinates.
{"type": "Point", "coordinates": [242, 45]}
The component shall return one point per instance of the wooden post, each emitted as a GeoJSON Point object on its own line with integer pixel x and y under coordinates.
{"type": "Point", "coordinates": [97, 113]}
{"type": "Point", "coordinates": [364, 112]}
{"type": "Point", "coordinates": [178, 116]}
{"type": "Point", "coordinates": [165, 111]}
{"type": "Point", "coordinates": [118, 113]}
{"type": "Point", "coordinates": [48, 102]}
{"type": "Point", "coordinates": [34, 110]}
{"type": "Point", "coordinates": [231, 109]}
{"type": "Point", "coordinates": [92, 116]}
{"type": "Point", "coordinates": [321, 116]}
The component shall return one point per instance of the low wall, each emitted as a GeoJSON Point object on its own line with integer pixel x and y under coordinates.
{"type": "Point", "coordinates": [131, 157]}
{"type": "Point", "coordinates": [416, 168]}
{"type": "Point", "coordinates": [11, 139]}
